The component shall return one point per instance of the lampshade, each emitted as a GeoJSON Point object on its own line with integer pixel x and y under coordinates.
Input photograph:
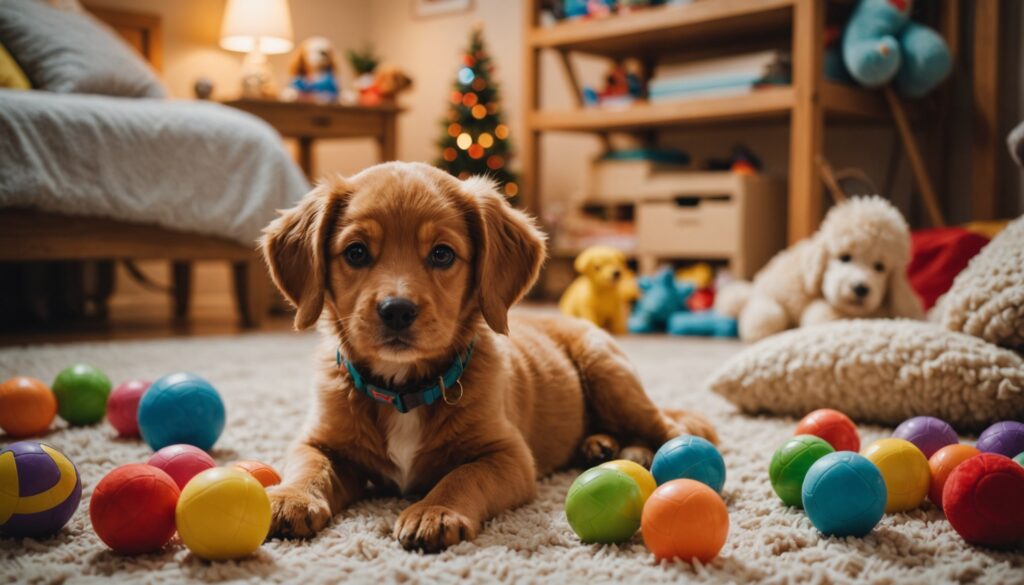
{"type": "Point", "coordinates": [248, 22]}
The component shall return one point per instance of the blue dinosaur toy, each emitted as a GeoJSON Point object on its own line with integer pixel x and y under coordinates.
{"type": "Point", "coordinates": [703, 324]}
{"type": "Point", "coordinates": [662, 296]}
{"type": "Point", "coordinates": [881, 45]}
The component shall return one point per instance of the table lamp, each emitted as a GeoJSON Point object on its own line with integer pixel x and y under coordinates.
{"type": "Point", "coordinates": [257, 28]}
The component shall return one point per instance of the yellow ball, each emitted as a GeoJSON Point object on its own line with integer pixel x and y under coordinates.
{"type": "Point", "coordinates": [637, 473]}
{"type": "Point", "coordinates": [222, 514]}
{"type": "Point", "coordinates": [905, 471]}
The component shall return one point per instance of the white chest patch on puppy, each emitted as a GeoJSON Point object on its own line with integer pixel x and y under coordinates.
{"type": "Point", "coordinates": [403, 436]}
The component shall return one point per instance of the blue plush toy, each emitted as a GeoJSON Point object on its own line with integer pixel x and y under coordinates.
{"type": "Point", "coordinates": [702, 324]}
{"type": "Point", "coordinates": [882, 45]}
{"type": "Point", "coordinates": [662, 296]}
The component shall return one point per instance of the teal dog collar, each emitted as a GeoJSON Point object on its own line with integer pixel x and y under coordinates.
{"type": "Point", "coordinates": [448, 386]}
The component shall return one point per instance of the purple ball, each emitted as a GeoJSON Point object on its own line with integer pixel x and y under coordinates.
{"type": "Point", "coordinates": [39, 490]}
{"type": "Point", "coordinates": [927, 433]}
{"type": "Point", "coordinates": [1005, 438]}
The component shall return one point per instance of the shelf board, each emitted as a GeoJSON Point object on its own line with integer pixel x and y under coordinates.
{"type": "Point", "coordinates": [840, 101]}
{"type": "Point", "coordinates": [657, 29]}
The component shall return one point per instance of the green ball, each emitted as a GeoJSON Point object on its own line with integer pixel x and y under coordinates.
{"type": "Point", "coordinates": [1019, 459]}
{"type": "Point", "coordinates": [82, 392]}
{"type": "Point", "coordinates": [790, 464]}
{"type": "Point", "coordinates": [604, 505]}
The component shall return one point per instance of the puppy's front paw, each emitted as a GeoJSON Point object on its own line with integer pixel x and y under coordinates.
{"type": "Point", "coordinates": [295, 514]}
{"type": "Point", "coordinates": [432, 528]}
{"type": "Point", "coordinates": [691, 423]}
{"type": "Point", "coordinates": [598, 448]}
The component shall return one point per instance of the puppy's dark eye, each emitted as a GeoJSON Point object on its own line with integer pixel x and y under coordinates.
{"type": "Point", "coordinates": [879, 267]}
{"type": "Point", "coordinates": [845, 258]}
{"type": "Point", "coordinates": [357, 255]}
{"type": "Point", "coordinates": [441, 256]}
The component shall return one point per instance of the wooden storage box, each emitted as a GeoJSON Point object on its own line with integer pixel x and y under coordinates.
{"type": "Point", "coordinates": [709, 216]}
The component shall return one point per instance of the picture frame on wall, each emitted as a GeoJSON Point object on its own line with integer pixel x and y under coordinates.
{"type": "Point", "coordinates": [431, 8]}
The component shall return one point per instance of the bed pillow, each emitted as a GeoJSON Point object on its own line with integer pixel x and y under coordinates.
{"type": "Point", "coordinates": [11, 76]}
{"type": "Point", "coordinates": [69, 51]}
{"type": "Point", "coordinates": [987, 298]}
{"type": "Point", "coordinates": [877, 371]}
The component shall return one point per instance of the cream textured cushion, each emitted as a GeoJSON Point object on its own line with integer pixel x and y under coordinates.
{"type": "Point", "coordinates": [881, 371]}
{"type": "Point", "coordinates": [987, 298]}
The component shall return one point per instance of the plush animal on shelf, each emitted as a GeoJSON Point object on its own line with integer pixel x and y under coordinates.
{"type": "Point", "coordinates": [314, 69]}
{"type": "Point", "coordinates": [661, 297]}
{"type": "Point", "coordinates": [388, 82]}
{"type": "Point", "coordinates": [853, 267]}
{"type": "Point", "coordinates": [881, 45]}
{"type": "Point", "coordinates": [602, 292]}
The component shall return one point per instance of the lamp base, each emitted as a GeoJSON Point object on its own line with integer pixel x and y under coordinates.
{"type": "Point", "coordinates": [257, 77]}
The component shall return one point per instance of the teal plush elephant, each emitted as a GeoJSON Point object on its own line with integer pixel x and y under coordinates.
{"type": "Point", "coordinates": [881, 45]}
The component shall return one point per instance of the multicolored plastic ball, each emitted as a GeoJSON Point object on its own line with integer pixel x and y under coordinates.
{"type": "Point", "coordinates": [39, 490]}
{"type": "Point", "coordinates": [123, 407]}
{"type": "Point", "coordinates": [1005, 438]}
{"type": "Point", "coordinates": [263, 473]}
{"type": "Point", "coordinates": [1020, 459]}
{"type": "Point", "coordinates": [685, 519]}
{"type": "Point", "coordinates": [833, 426]}
{"type": "Point", "coordinates": [604, 506]}
{"type": "Point", "coordinates": [982, 500]}
{"type": "Point", "coordinates": [132, 509]}
{"type": "Point", "coordinates": [927, 433]}
{"type": "Point", "coordinates": [905, 470]}
{"type": "Point", "coordinates": [181, 408]}
{"type": "Point", "coordinates": [844, 494]}
{"type": "Point", "coordinates": [181, 462]}
{"type": "Point", "coordinates": [223, 514]}
{"type": "Point", "coordinates": [27, 407]}
{"type": "Point", "coordinates": [790, 463]}
{"type": "Point", "coordinates": [82, 391]}
{"type": "Point", "coordinates": [689, 457]}
{"type": "Point", "coordinates": [942, 463]}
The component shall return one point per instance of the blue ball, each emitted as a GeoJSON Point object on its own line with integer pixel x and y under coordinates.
{"type": "Point", "coordinates": [689, 457]}
{"type": "Point", "coordinates": [844, 494]}
{"type": "Point", "coordinates": [181, 408]}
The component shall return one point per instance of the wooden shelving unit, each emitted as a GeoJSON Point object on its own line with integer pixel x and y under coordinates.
{"type": "Point", "coordinates": [701, 28]}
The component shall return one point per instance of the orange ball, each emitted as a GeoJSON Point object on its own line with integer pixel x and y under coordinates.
{"type": "Point", "coordinates": [685, 519]}
{"type": "Point", "coordinates": [835, 427]}
{"type": "Point", "coordinates": [263, 473]}
{"type": "Point", "coordinates": [27, 407]}
{"type": "Point", "coordinates": [942, 464]}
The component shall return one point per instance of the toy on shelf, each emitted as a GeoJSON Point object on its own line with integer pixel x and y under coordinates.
{"type": "Point", "coordinates": [881, 45]}
{"type": "Point", "coordinates": [387, 82]}
{"type": "Point", "coordinates": [1005, 438]}
{"type": "Point", "coordinates": [82, 391]}
{"type": "Point", "coordinates": [844, 495]}
{"type": "Point", "coordinates": [52, 490]}
{"type": "Point", "coordinates": [123, 407]}
{"type": "Point", "coordinates": [363, 62]}
{"type": "Point", "coordinates": [905, 471]}
{"type": "Point", "coordinates": [927, 433]}
{"type": "Point", "coordinates": [181, 462]}
{"type": "Point", "coordinates": [263, 473]}
{"type": "Point", "coordinates": [132, 509]}
{"type": "Point", "coordinates": [790, 464]}
{"type": "Point", "coordinates": [689, 457]}
{"type": "Point", "coordinates": [982, 500]}
{"type": "Point", "coordinates": [685, 519]}
{"type": "Point", "coordinates": [622, 86]}
{"type": "Point", "coordinates": [941, 464]}
{"type": "Point", "coordinates": [742, 160]}
{"type": "Point", "coordinates": [27, 407]}
{"type": "Point", "coordinates": [223, 514]}
{"type": "Point", "coordinates": [314, 72]}
{"type": "Point", "coordinates": [603, 290]}
{"type": "Point", "coordinates": [604, 505]}
{"type": "Point", "coordinates": [833, 426]}
{"type": "Point", "coordinates": [181, 408]}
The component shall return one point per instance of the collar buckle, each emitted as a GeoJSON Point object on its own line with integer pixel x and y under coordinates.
{"type": "Point", "coordinates": [454, 397]}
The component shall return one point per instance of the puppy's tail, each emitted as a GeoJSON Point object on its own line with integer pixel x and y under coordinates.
{"type": "Point", "coordinates": [731, 299]}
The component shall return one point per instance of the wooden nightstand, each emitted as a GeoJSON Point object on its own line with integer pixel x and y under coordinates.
{"type": "Point", "coordinates": [308, 122]}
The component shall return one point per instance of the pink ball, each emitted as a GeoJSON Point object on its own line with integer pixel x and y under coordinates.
{"type": "Point", "coordinates": [123, 407]}
{"type": "Point", "coordinates": [182, 462]}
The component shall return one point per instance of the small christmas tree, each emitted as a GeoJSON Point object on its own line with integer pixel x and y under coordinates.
{"type": "Point", "coordinates": [476, 139]}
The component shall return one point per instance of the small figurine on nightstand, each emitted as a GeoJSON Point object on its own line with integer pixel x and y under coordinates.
{"type": "Point", "coordinates": [314, 69]}
{"type": "Point", "coordinates": [387, 83]}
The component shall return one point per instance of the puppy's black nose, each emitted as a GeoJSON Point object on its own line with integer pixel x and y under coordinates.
{"type": "Point", "coordinates": [397, 313]}
{"type": "Point", "coordinates": [861, 290]}
{"type": "Point", "coordinates": [616, 274]}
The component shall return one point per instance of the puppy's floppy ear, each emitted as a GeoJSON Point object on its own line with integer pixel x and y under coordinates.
{"type": "Point", "coordinates": [900, 298]}
{"type": "Point", "coordinates": [813, 262]}
{"type": "Point", "coordinates": [510, 252]}
{"type": "Point", "coordinates": [294, 247]}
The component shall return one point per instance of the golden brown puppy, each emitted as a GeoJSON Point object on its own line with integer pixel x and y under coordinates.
{"type": "Point", "coordinates": [407, 269]}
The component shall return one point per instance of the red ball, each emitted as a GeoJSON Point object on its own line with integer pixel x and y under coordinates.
{"type": "Point", "coordinates": [182, 462]}
{"type": "Point", "coordinates": [123, 407]}
{"type": "Point", "coordinates": [132, 509]}
{"type": "Point", "coordinates": [982, 500]}
{"type": "Point", "coordinates": [835, 427]}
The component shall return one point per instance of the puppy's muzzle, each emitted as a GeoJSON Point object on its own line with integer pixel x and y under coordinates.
{"type": "Point", "coordinates": [397, 313]}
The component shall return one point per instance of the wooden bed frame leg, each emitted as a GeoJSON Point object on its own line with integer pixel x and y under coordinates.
{"type": "Point", "coordinates": [251, 288]}
{"type": "Point", "coordinates": [181, 277]}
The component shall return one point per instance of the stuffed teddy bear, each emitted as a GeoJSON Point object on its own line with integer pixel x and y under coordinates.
{"type": "Point", "coordinates": [602, 292]}
{"type": "Point", "coordinates": [881, 45]}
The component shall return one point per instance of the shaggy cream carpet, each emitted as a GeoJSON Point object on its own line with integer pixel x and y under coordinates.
{"type": "Point", "coordinates": [264, 379]}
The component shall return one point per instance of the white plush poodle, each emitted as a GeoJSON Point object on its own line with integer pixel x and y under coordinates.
{"type": "Point", "coordinates": [853, 267]}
